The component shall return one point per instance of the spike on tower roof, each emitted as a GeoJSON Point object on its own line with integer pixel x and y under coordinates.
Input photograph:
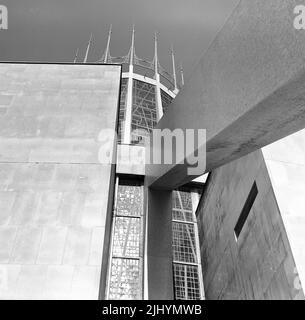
{"type": "Point", "coordinates": [182, 74]}
{"type": "Point", "coordinates": [76, 55]}
{"type": "Point", "coordinates": [132, 48]}
{"type": "Point", "coordinates": [132, 59]}
{"type": "Point", "coordinates": [88, 48]}
{"type": "Point", "coordinates": [174, 67]}
{"type": "Point", "coordinates": [156, 59]}
{"type": "Point", "coordinates": [106, 56]}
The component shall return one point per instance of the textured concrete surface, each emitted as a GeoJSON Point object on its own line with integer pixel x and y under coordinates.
{"type": "Point", "coordinates": [159, 245]}
{"type": "Point", "coordinates": [247, 90]}
{"type": "Point", "coordinates": [260, 263]}
{"type": "Point", "coordinates": [53, 190]}
{"type": "Point", "coordinates": [285, 161]}
{"type": "Point", "coordinates": [130, 160]}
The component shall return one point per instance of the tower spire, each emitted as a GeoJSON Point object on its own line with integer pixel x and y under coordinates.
{"type": "Point", "coordinates": [108, 45]}
{"type": "Point", "coordinates": [174, 67]}
{"type": "Point", "coordinates": [157, 77]}
{"type": "Point", "coordinates": [88, 48]}
{"type": "Point", "coordinates": [156, 60]}
{"type": "Point", "coordinates": [132, 49]}
{"type": "Point", "coordinates": [76, 55]}
{"type": "Point", "coordinates": [182, 74]}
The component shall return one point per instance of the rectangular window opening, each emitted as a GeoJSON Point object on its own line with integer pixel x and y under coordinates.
{"type": "Point", "coordinates": [187, 272]}
{"type": "Point", "coordinates": [246, 210]}
{"type": "Point", "coordinates": [125, 270]}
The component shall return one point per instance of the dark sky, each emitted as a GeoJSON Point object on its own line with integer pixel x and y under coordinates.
{"type": "Point", "coordinates": [51, 30]}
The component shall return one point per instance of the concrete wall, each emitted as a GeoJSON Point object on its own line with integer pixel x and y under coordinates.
{"type": "Point", "coordinates": [53, 190]}
{"type": "Point", "coordinates": [260, 264]}
{"type": "Point", "coordinates": [159, 251]}
{"type": "Point", "coordinates": [285, 161]}
{"type": "Point", "coordinates": [130, 159]}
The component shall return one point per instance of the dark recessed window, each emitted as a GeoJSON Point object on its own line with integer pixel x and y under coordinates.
{"type": "Point", "coordinates": [246, 210]}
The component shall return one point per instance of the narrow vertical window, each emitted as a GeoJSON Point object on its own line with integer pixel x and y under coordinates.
{"type": "Point", "coordinates": [125, 280]}
{"type": "Point", "coordinates": [188, 283]}
{"type": "Point", "coordinates": [245, 211]}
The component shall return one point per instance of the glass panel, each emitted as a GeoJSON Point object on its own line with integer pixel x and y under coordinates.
{"type": "Point", "coordinates": [127, 237]}
{"type": "Point", "coordinates": [124, 280]}
{"type": "Point", "coordinates": [182, 215]}
{"type": "Point", "coordinates": [182, 200]}
{"type": "Point", "coordinates": [186, 282]}
{"type": "Point", "coordinates": [184, 247]}
{"type": "Point", "coordinates": [186, 255]}
{"type": "Point", "coordinates": [129, 200]}
{"type": "Point", "coordinates": [144, 113]}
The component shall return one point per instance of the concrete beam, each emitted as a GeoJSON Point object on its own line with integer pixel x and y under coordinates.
{"type": "Point", "coordinates": [159, 245]}
{"type": "Point", "coordinates": [247, 91]}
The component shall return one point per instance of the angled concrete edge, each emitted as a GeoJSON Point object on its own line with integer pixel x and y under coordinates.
{"type": "Point", "coordinates": [247, 90]}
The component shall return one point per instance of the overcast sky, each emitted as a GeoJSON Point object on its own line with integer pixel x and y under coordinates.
{"type": "Point", "coordinates": [51, 30]}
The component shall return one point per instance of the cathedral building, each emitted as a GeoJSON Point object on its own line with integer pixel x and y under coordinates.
{"type": "Point", "coordinates": [84, 215]}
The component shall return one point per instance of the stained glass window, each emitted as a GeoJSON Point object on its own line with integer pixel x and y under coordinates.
{"type": "Point", "coordinates": [129, 200]}
{"type": "Point", "coordinates": [127, 237]}
{"type": "Point", "coordinates": [124, 279]}
{"type": "Point", "coordinates": [126, 267]}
